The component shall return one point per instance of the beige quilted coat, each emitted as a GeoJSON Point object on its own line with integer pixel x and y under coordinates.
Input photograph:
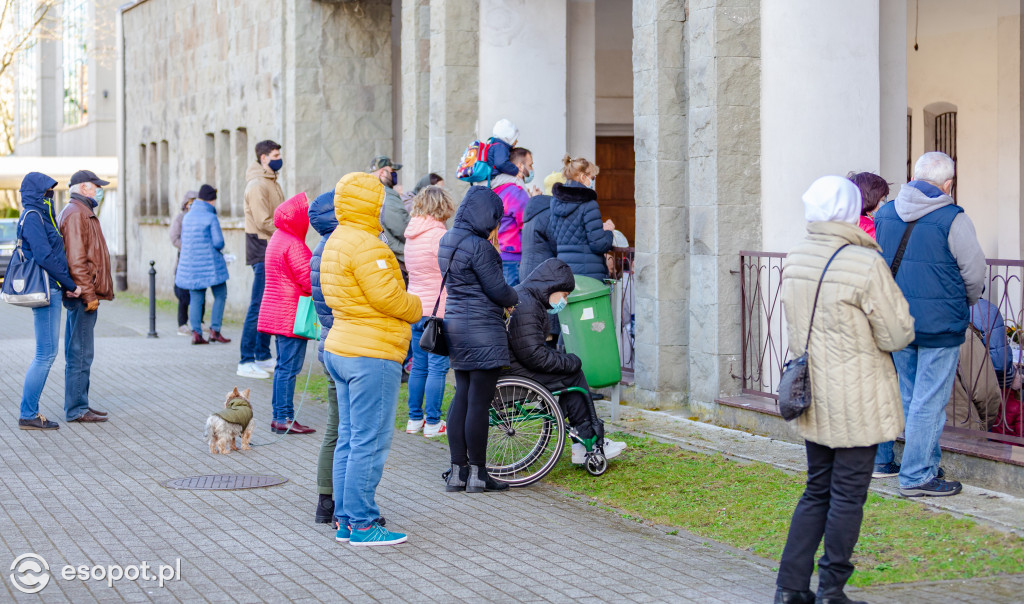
{"type": "Point", "coordinates": [862, 317]}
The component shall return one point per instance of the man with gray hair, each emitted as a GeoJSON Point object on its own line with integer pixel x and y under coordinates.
{"type": "Point", "coordinates": [933, 252]}
{"type": "Point", "coordinates": [89, 261]}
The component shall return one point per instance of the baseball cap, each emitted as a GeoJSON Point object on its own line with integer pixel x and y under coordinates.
{"type": "Point", "coordinates": [383, 161]}
{"type": "Point", "coordinates": [87, 176]}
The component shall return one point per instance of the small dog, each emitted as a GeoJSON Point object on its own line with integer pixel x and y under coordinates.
{"type": "Point", "coordinates": [236, 420]}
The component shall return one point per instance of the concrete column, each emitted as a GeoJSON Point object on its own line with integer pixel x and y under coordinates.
{"type": "Point", "coordinates": [892, 24]}
{"type": "Point", "coordinates": [454, 85]}
{"type": "Point", "coordinates": [581, 79]}
{"type": "Point", "coordinates": [415, 91]}
{"type": "Point", "coordinates": [1008, 138]}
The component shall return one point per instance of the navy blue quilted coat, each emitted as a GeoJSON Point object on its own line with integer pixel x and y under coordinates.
{"type": "Point", "coordinates": [321, 218]}
{"type": "Point", "coordinates": [576, 228]}
{"type": "Point", "coordinates": [201, 263]}
{"type": "Point", "coordinates": [474, 321]}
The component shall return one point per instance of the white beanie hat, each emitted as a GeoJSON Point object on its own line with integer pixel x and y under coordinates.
{"type": "Point", "coordinates": [832, 198]}
{"type": "Point", "coordinates": [506, 131]}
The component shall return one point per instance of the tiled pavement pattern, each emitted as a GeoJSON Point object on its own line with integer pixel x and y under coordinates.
{"type": "Point", "coordinates": [91, 494]}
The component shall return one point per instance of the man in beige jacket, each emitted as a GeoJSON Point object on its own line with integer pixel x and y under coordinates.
{"type": "Point", "coordinates": [262, 196]}
{"type": "Point", "coordinates": [861, 317]}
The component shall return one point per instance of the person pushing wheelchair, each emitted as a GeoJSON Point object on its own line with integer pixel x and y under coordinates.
{"type": "Point", "coordinates": [545, 291]}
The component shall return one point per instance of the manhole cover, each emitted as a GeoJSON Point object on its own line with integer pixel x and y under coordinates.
{"type": "Point", "coordinates": [224, 482]}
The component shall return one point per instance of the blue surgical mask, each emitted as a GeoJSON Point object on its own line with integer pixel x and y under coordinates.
{"type": "Point", "coordinates": [275, 164]}
{"type": "Point", "coordinates": [529, 177]}
{"type": "Point", "coordinates": [99, 195]}
{"type": "Point", "coordinates": [593, 183]}
{"type": "Point", "coordinates": [558, 307]}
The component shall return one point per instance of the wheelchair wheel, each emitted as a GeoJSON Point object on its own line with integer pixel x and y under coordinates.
{"type": "Point", "coordinates": [596, 464]}
{"type": "Point", "coordinates": [526, 434]}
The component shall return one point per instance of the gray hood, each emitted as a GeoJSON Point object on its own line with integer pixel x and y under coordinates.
{"type": "Point", "coordinates": [912, 204]}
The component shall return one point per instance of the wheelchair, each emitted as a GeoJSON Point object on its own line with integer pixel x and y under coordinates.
{"type": "Point", "coordinates": [527, 432]}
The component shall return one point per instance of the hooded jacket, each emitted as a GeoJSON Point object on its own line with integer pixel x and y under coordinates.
{"type": "Point", "coordinates": [262, 196]}
{"type": "Point", "coordinates": [576, 228]}
{"type": "Point", "coordinates": [477, 293]}
{"type": "Point", "coordinates": [513, 199]}
{"type": "Point", "coordinates": [40, 238]}
{"type": "Point", "coordinates": [528, 329]}
{"type": "Point", "coordinates": [361, 280]}
{"type": "Point", "coordinates": [861, 318]}
{"type": "Point", "coordinates": [986, 318]}
{"type": "Point", "coordinates": [287, 267]}
{"type": "Point", "coordinates": [536, 246]}
{"type": "Point", "coordinates": [321, 218]}
{"type": "Point", "coordinates": [201, 263]}
{"type": "Point", "coordinates": [238, 411]}
{"type": "Point", "coordinates": [976, 399]}
{"type": "Point", "coordinates": [422, 238]}
{"type": "Point", "coordinates": [503, 137]}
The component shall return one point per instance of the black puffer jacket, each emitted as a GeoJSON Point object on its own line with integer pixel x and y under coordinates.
{"type": "Point", "coordinates": [576, 228]}
{"type": "Point", "coordinates": [477, 293]}
{"type": "Point", "coordinates": [536, 246]}
{"type": "Point", "coordinates": [529, 325]}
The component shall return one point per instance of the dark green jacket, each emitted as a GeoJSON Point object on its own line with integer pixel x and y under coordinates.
{"type": "Point", "coordinates": [238, 412]}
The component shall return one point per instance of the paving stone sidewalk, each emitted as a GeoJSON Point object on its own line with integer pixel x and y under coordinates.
{"type": "Point", "coordinates": [92, 495]}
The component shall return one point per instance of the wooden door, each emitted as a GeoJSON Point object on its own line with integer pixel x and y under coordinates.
{"type": "Point", "coordinates": [615, 183]}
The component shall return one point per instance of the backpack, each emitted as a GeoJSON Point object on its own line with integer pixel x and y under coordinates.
{"type": "Point", "coordinates": [473, 166]}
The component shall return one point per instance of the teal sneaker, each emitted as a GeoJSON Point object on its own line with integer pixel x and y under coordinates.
{"type": "Point", "coordinates": [375, 534]}
{"type": "Point", "coordinates": [343, 534]}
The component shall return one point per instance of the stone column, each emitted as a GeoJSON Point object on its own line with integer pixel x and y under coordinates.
{"type": "Point", "coordinates": [415, 90]}
{"type": "Point", "coordinates": [581, 79]}
{"type": "Point", "coordinates": [454, 85]}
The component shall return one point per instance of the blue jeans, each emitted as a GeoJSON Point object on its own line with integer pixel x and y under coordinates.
{"type": "Point", "coordinates": [291, 352]}
{"type": "Point", "coordinates": [46, 320]}
{"type": "Point", "coordinates": [79, 347]}
{"type": "Point", "coordinates": [426, 379]}
{"type": "Point", "coordinates": [255, 345]}
{"type": "Point", "coordinates": [926, 381]}
{"type": "Point", "coordinates": [196, 300]}
{"type": "Point", "coordinates": [511, 272]}
{"type": "Point", "coordinates": [367, 403]}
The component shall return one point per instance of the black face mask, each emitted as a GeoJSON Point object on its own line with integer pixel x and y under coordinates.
{"type": "Point", "coordinates": [48, 194]}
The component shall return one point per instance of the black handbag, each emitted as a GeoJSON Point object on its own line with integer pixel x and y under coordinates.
{"type": "Point", "coordinates": [25, 283]}
{"type": "Point", "coordinates": [795, 385]}
{"type": "Point", "coordinates": [433, 340]}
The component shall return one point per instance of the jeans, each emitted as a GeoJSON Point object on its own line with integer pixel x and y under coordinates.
{"type": "Point", "coordinates": [511, 272]}
{"type": "Point", "coordinates": [197, 300]}
{"type": "Point", "coordinates": [291, 352]}
{"type": "Point", "coordinates": [367, 403]}
{"type": "Point", "coordinates": [255, 345]}
{"type": "Point", "coordinates": [46, 320]}
{"type": "Point", "coordinates": [426, 380]}
{"type": "Point", "coordinates": [79, 347]}
{"type": "Point", "coordinates": [325, 461]}
{"type": "Point", "coordinates": [926, 381]}
{"type": "Point", "coordinates": [184, 303]}
{"type": "Point", "coordinates": [832, 506]}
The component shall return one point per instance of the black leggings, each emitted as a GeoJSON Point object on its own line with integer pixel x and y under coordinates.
{"type": "Point", "coordinates": [468, 416]}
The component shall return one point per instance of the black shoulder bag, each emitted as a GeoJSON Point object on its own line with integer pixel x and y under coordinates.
{"type": "Point", "coordinates": [433, 340]}
{"type": "Point", "coordinates": [898, 258]}
{"type": "Point", "coordinates": [795, 385]}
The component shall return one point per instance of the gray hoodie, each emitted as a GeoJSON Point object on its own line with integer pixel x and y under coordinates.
{"type": "Point", "coordinates": [912, 204]}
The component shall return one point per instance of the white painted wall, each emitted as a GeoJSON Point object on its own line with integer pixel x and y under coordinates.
{"type": "Point", "coordinates": [820, 105]}
{"type": "Point", "coordinates": [580, 80]}
{"type": "Point", "coordinates": [614, 55]}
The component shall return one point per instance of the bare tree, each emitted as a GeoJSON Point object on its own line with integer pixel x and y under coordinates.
{"type": "Point", "coordinates": [16, 35]}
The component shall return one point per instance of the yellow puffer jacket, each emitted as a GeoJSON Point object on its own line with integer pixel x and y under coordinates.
{"type": "Point", "coordinates": [862, 316]}
{"type": "Point", "coordinates": [361, 280]}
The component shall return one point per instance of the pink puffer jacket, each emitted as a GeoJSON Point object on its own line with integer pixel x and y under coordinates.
{"type": "Point", "coordinates": [422, 237]}
{"type": "Point", "coordinates": [287, 267]}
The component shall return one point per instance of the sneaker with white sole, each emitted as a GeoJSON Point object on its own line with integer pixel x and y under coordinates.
{"type": "Point", "coordinates": [250, 370]}
{"type": "Point", "coordinates": [343, 534]}
{"type": "Point", "coordinates": [435, 430]}
{"type": "Point", "coordinates": [266, 366]}
{"type": "Point", "coordinates": [184, 330]}
{"type": "Point", "coordinates": [414, 425]}
{"type": "Point", "coordinates": [375, 534]}
{"type": "Point", "coordinates": [613, 448]}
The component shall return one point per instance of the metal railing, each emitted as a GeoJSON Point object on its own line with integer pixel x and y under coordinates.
{"type": "Point", "coordinates": [986, 408]}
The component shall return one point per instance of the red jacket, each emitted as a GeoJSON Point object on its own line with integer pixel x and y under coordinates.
{"type": "Point", "coordinates": [287, 268]}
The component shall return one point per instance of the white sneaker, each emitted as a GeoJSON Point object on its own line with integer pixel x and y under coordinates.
{"type": "Point", "coordinates": [250, 370]}
{"type": "Point", "coordinates": [184, 330]}
{"type": "Point", "coordinates": [266, 366]}
{"type": "Point", "coordinates": [579, 453]}
{"type": "Point", "coordinates": [613, 448]}
{"type": "Point", "coordinates": [435, 430]}
{"type": "Point", "coordinates": [414, 426]}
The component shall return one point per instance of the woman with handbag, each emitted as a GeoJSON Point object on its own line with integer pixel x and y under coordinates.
{"type": "Point", "coordinates": [41, 243]}
{"type": "Point", "coordinates": [474, 326]}
{"type": "Point", "coordinates": [431, 208]}
{"type": "Point", "coordinates": [840, 299]}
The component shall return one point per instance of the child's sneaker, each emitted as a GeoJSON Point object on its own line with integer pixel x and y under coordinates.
{"type": "Point", "coordinates": [343, 534]}
{"type": "Point", "coordinates": [375, 534]}
{"type": "Point", "coordinates": [435, 430]}
{"type": "Point", "coordinates": [613, 448]}
{"type": "Point", "coordinates": [414, 425]}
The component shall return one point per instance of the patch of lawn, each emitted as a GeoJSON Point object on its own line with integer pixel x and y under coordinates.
{"type": "Point", "coordinates": [137, 300]}
{"type": "Point", "coordinates": [749, 506]}
{"type": "Point", "coordinates": [318, 391]}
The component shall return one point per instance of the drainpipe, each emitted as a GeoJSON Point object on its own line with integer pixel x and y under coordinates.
{"type": "Point", "coordinates": [121, 259]}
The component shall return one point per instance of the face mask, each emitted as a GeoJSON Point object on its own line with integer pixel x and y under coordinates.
{"type": "Point", "coordinates": [48, 194]}
{"type": "Point", "coordinates": [529, 177]}
{"type": "Point", "coordinates": [559, 306]}
{"type": "Point", "coordinates": [99, 195]}
{"type": "Point", "coordinates": [275, 164]}
{"type": "Point", "coordinates": [394, 178]}
{"type": "Point", "coordinates": [593, 183]}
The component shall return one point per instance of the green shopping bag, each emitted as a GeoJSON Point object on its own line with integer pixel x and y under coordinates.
{"type": "Point", "coordinates": [307, 324]}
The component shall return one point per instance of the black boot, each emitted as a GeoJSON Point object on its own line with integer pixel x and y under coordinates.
{"type": "Point", "coordinates": [325, 509]}
{"type": "Point", "coordinates": [788, 596]}
{"type": "Point", "coordinates": [839, 598]}
{"type": "Point", "coordinates": [455, 478]}
{"type": "Point", "coordinates": [480, 481]}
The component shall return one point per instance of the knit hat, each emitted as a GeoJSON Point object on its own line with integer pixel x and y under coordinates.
{"type": "Point", "coordinates": [832, 198]}
{"type": "Point", "coordinates": [207, 193]}
{"type": "Point", "coordinates": [506, 131]}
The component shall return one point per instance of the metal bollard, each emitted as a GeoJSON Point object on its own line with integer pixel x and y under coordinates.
{"type": "Point", "coordinates": [152, 301]}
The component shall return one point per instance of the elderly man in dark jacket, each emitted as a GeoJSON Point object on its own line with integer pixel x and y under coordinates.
{"type": "Point", "coordinates": [544, 292]}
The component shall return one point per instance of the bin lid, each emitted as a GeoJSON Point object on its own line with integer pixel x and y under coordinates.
{"type": "Point", "coordinates": [587, 288]}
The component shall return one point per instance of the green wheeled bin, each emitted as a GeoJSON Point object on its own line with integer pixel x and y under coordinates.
{"type": "Point", "coordinates": [588, 330]}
